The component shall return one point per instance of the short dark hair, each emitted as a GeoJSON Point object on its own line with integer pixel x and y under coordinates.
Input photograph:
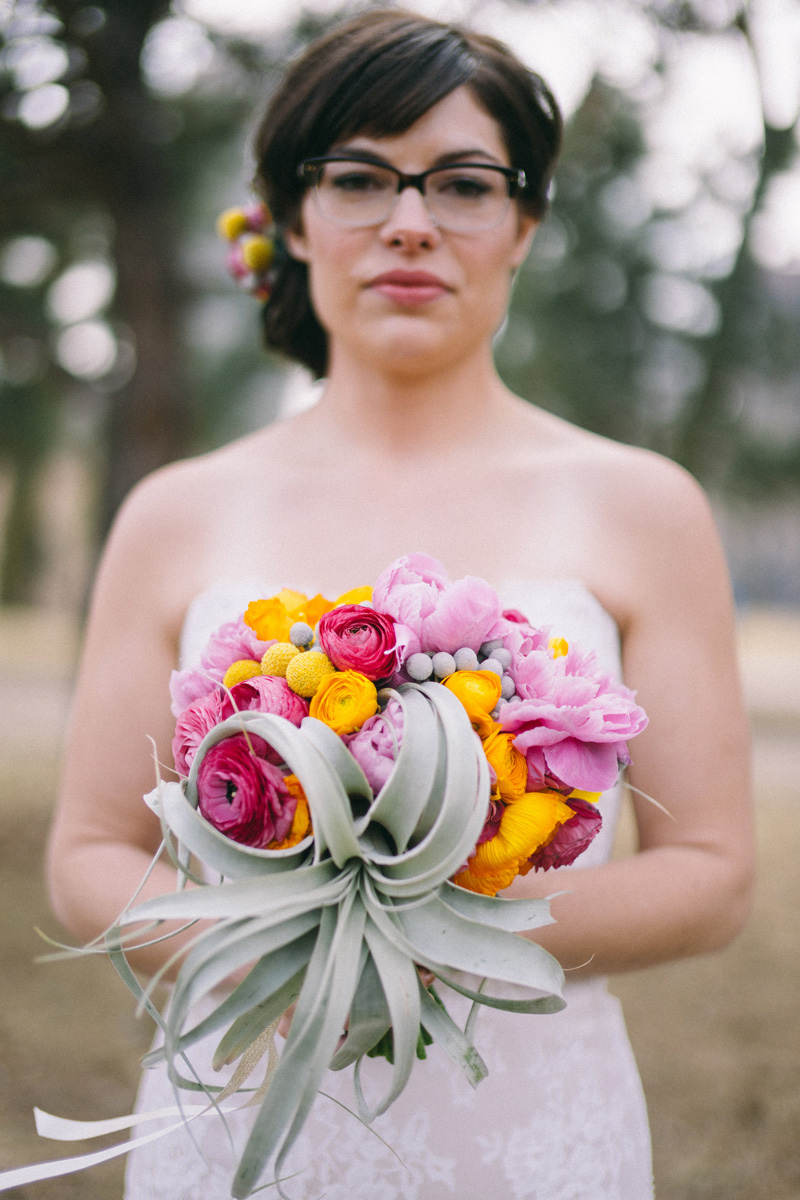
{"type": "Point", "coordinates": [377, 74]}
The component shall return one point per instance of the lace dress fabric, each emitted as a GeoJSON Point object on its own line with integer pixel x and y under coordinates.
{"type": "Point", "coordinates": [561, 1115]}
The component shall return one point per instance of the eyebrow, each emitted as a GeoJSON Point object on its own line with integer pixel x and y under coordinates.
{"type": "Point", "coordinates": [450, 156]}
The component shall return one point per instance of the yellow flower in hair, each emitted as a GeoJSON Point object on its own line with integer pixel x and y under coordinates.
{"type": "Point", "coordinates": [257, 252]}
{"type": "Point", "coordinates": [479, 692]}
{"type": "Point", "coordinates": [232, 223]}
{"type": "Point", "coordinates": [526, 824]}
{"type": "Point", "coordinates": [508, 764]}
{"type": "Point", "coordinates": [344, 701]}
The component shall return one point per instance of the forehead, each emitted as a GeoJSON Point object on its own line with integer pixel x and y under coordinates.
{"type": "Point", "coordinates": [457, 124]}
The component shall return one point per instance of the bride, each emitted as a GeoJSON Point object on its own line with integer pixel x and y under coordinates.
{"type": "Point", "coordinates": [406, 164]}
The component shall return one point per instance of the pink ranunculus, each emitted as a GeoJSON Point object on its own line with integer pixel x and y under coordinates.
{"type": "Point", "coordinates": [375, 745]}
{"type": "Point", "coordinates": [243, 795]}
{"type": "Point", "coordinates": [231, 642]}
{"type": "Point", "coordinates": [357, 638]}
{"type": "Point", "coordinates": [194, 723]}
{"type": "Point", "coordinates": [571, 721]}
{"type": "Point", "coordinates": [571, 838]}
{"type": "Point", "coordinates": [436, 614]}
{"type": "Point", "coordinates": [267, 694]}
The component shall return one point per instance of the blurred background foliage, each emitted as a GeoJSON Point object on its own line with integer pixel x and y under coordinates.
{"type": "Point", "coordinates": [660, 305]}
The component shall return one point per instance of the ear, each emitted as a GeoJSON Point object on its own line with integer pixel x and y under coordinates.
{"type": "Point", "coordinates": [296, 244]}
{"type": "Point", "coordinates": [526, 231]}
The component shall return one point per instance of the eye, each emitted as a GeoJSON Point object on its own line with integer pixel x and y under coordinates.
{"type": "Point", "coordinates": [465, 186]}
{"type": "Point", "coordinates": [357, 181]}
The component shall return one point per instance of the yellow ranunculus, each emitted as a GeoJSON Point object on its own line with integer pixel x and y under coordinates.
{"type": "Point", "coordinates": [559, 647]}
{"type": "Point", "coordinates": [273, 618]}
{"type": "Point", "coordinates": [508, 764]}
{"type": "Point", "coordinates": [527, 823]}
{"type": "Point", "coordinates": [301, 822]}
{"type": "Point", "coordinates": [479, 692]}
{"type": "Point", "coordinates": [344, 701]}
{"type": "Point", "coordinates": [354, 596]}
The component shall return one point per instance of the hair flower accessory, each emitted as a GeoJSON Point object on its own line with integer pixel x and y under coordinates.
{"type": "Point", "coordinates": [254, 247]}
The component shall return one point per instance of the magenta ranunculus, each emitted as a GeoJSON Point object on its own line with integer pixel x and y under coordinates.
{"type": "Point", "coordinates": [571, 838]}
{"type": "Point", "coordinates": [432, 612]}
{"type": "Point", "coordinates": [375, 745]}
{"type": "Point", "coordinates": [357, 638]}
{"type": "Point", "coordinates": [243, 795]}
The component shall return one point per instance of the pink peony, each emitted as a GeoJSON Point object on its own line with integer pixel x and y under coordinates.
{"type": "Point", "coordinates": [185, 687]}
{"type": "Point", "coordinates": [357, 638]}
{"type": "Point", "coordinates": [571, 838]}
{"type": "Point", "coordinates": [374, 747]}
{"type": "Point", "coordinates": [244, 796]}
{"type": "Point", "coordinates": [231, 642]}
{"type": "Point", "coordinates": [264, 693]}
{"type": "Point", "coordinates": [571, 722]}
{"type": "Point", "coordinates": [431, 612]}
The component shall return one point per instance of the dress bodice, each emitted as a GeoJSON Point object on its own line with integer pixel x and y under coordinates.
{"type": "Point", "coordinates": [565, 605]}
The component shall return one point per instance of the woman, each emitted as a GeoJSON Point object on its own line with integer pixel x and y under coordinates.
{"type": "Point", "coordinates": [397, 276]}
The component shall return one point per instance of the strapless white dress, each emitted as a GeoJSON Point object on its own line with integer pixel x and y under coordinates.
{"type": "Point", "coordinates": [561, 1115]}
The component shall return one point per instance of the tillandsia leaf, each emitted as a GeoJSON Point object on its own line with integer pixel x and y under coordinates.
{"type": "Point", "coordinates": [445, 1033]}
{"type": "Point", "coordinates": [369, 1018]}
{"type": "Point", "coordinates": [513, 915]}
{"type": "Point", "coordinates": [403, 803]}
{"type": "Point", "coordinates": [251, 1024]}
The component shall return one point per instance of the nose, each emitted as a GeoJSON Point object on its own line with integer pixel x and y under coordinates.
{"type": "Point", "coordinates": [410, 224]}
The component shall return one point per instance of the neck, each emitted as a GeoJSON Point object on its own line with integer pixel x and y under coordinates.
{"type": "Point", "coordinates": [378, 413]}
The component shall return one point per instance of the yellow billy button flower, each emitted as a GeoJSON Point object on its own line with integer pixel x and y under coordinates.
{"type": "Point", "coordinates": [508, 764]}
{"type": "Point", "coordinates": [305, 672]}
{"type": "Point", "coordinates": [277, 658]}
{"type": "Point", "coordinates": [479, 692]}
{"type": "Point", "coordinates": [558, 646]}
{"type": "Point", "coordinates": [243, 668]}
{"type": "Point", "coordinates": [232, 223]}
{"type": "Point", "coordinates": [344, 701]}
{"type": "Point", "coordinates": [257, 252]}
{"type": "Point", "coordinates": [527, 823]}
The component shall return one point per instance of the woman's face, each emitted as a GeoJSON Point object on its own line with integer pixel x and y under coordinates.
{"type": "Point", "coordinates": [446, 293]}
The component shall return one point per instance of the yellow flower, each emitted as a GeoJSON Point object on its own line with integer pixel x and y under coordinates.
{"type": "Point", "coordinates": [479, 692]}
{"type": "Point", "coordinates": [354, 596]}
{"type": "Point", "coordinates": [344, 701]}
{"type": "Point", "coordinates": [277, 658]}
{"type": "Point", "coordinates": [273, 618]}
{"type": "Point", "coordinates": [301, 822]}
{"type": "Point", "coordinates": [231, 223]}
{"type": "Point", "coordinates": [558, 646]}
{"type": "Point", "coordinates": [243, 668]}
{"type": "Point", "coordinates": [306, 670]}
{"type": "Point", "coordinates": [257, 252]}
{"type": "Point", "coordinates": [526, 824]}
{"type": "Point", "coordinates": [509, 765]}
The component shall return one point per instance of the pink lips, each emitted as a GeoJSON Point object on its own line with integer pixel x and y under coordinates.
{"type": "Point", "coordinates": [409, 287]}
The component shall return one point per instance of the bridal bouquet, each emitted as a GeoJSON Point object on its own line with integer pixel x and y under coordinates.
{"type": "Point", "coordinates": [362, 776]}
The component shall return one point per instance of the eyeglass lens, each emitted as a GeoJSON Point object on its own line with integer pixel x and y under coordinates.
{"type": "Point", "coordinates": [458, 197]}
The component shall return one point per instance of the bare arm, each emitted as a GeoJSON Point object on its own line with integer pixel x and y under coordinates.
{"type": "Point", "coordinates": [103, 837]}
{"type": "Point", "coordinates": [688, 890]}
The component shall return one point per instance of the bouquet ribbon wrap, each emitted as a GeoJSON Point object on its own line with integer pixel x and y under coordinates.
{"type": "Point", "coordinates": [339, 922]}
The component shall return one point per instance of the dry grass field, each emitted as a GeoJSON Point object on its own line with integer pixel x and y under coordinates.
{"type": "Point", "coordinates": [716, 1038]}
